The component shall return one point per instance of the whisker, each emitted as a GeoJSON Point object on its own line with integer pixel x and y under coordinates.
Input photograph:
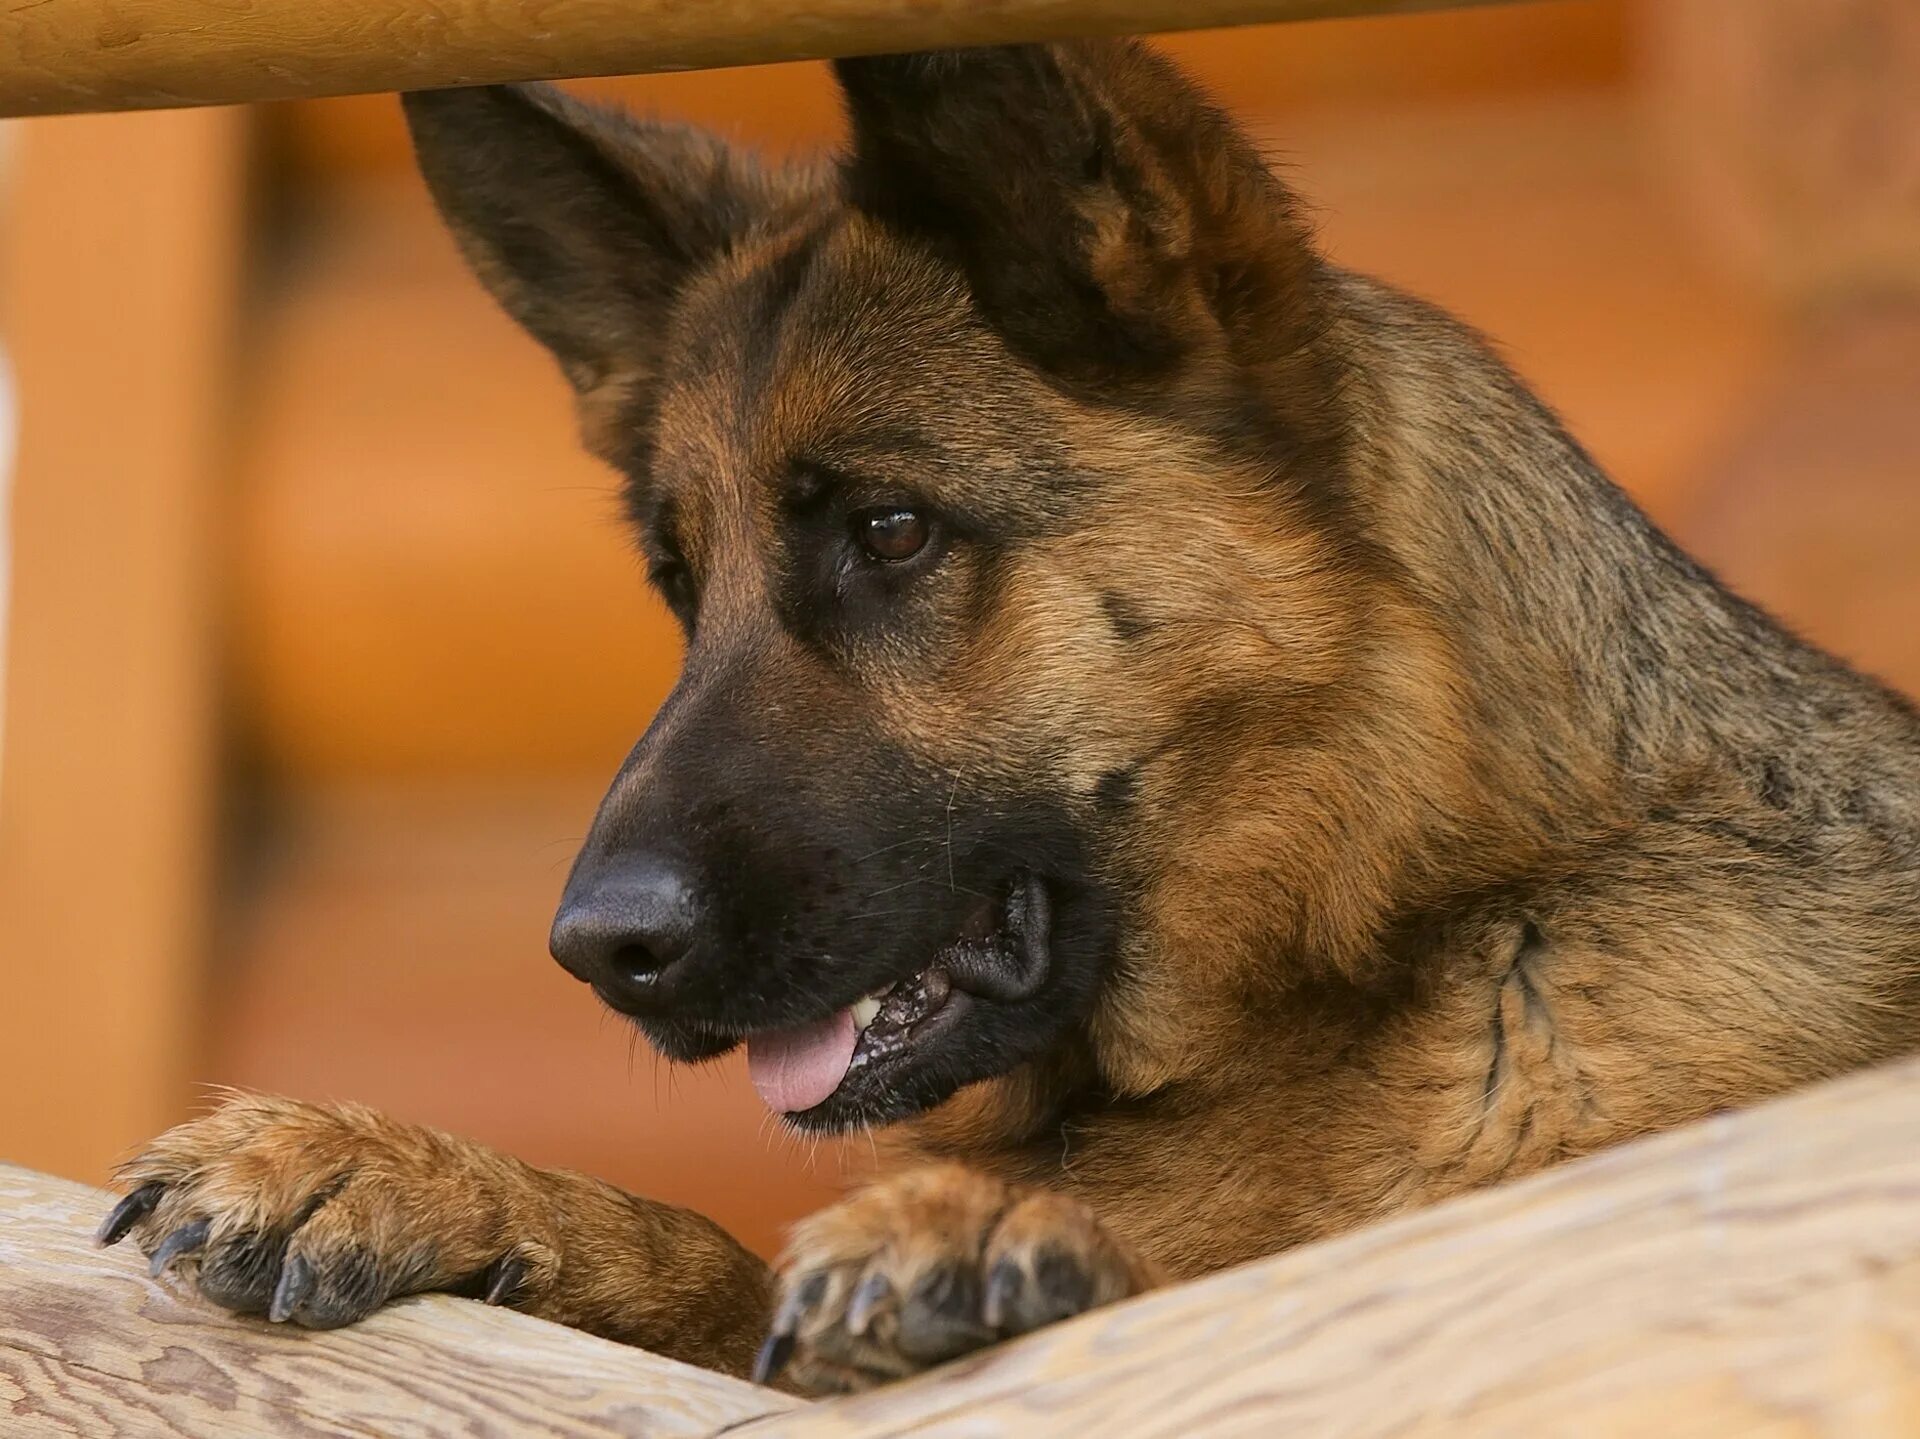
{"type": "Point", "coordinates": [952, 794]}
{"type": "Point", "coordinates": [898, 844]}
{"type": "Point", "coordinates": [889, 889]}
{"type": "Point", "coordinates": [914, 911]}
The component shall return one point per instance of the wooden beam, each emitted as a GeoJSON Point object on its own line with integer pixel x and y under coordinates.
{"type": "Point", "coordinates": [1756, 1273]}
{"type": "Point", "coordinates": [89, 1345]}
{"type": "Point", "coordinates": [119, 276]}
{"type": "Point", "coordinates": [70, 55]}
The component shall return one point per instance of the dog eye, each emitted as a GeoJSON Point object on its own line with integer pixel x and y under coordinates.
{"type": "Point", "coordinates": [891, 532]}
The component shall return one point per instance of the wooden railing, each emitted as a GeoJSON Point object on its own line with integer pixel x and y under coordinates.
{"type": "Point", "coordinates": [69, 55]}
{"type": "Point", "coordinates": [90, 1346]}
{"type": "Point", "coordinates": [1755, 1273]}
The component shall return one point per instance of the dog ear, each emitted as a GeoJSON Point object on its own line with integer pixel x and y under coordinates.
{"type": "Point", "coordinates": [1111, 222]}
{"type": "Point", "coordinates": [585, 222]}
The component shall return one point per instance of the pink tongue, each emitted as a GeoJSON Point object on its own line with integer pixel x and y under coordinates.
{"type": "Point", "coordinates": [795, 1069]}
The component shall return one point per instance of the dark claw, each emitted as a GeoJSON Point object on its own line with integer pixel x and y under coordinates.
{"type": "Point", "coordinates": [778, 1349]}
{"type": "Point", "coordinates": [293, 1290]}
{"type": "Point", "coordinates": [1004, 1284]}
{"type": "Point", "coordinates": [184, 1240]}
{"type": "Point", "coordinates": [1052, 1286]}
{"type": "Point", "coordinates": [504, 1282]}
{"type": "Point", "coordinates": [806, 1295]}
{"type": "Point", "coordinates": [872, 1292]}
{"type": "Point", "coordinates": [773, 1357]}
{"type": "Point", "coordinates": [130, 1211]}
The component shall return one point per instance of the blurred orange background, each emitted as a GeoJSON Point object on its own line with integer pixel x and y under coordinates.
{"type": "Point", "coordinates": [323, 636]}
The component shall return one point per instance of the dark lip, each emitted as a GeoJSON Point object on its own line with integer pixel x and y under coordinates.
{"type": "Point", "coordinates": [1013, 962]}
{"type": "Point", "coordinates": [1010, 966]}
{"type": "Point", "coordinates": [1008, 963]}
{"type": "Point", "coordinates": [678, 1040]}
{"type": "Point", "coordinates": [873, 1094]}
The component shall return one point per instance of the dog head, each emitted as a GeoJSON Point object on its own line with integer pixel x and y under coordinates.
{"type": "Point", "coordinates": [998, 477]}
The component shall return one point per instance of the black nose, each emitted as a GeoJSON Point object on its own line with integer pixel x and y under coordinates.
{"type": "Point", "coordinates": [624, 924]}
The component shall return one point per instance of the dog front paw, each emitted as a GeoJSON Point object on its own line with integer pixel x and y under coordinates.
{"type": "Point", "coordinates": [320, 1214]}
{"type": "Point", "coordinates": [930, 1265]}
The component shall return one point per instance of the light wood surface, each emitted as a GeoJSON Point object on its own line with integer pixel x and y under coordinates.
{"type": "Point", "coordinates": [119, 252]}
{"type": "Point", "coordinates": [1758, 1273]}
{"type": "Point", "coordinates": [91, 1347]}
{"type": "Point", "coordinates": [130, 54]}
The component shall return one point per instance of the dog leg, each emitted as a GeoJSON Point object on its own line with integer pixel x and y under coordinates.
{"type": "Point", "coordinates": [319, 1214]}
{"type": "Point", "coordinates": [931, 1264]}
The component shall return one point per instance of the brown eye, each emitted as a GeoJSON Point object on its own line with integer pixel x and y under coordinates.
{"type": "Point", "coordinates": [891, 533]}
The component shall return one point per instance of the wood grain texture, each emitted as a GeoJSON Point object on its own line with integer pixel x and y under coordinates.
{"type": "Point", "coordinates": [90, 1346]}
{"type": "Point", "coordinates": [70, 55]}
{"type": "Point", "coordinates": [1755, 1274]}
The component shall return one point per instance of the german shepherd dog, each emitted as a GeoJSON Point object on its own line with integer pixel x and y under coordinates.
{"type": "Point", "coordinates": [1171, 730]}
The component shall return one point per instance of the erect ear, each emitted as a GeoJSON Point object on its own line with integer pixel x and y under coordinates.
{"type": "Point", "coordinates": [585, 222]}
{"type": "Point", "coordinates": [1112, 223]}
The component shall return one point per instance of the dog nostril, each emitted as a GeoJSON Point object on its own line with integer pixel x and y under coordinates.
{"type": "Point", "coordinates": [636, 963]}
{"type": "Point", "coordinates": [623, 925]}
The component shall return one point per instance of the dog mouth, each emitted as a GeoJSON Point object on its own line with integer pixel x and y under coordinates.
{"type": "Point", "coordinates": [830, 1071]}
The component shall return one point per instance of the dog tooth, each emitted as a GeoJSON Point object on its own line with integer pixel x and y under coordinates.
{"type": "Point", "coordinates": [864, 1011]}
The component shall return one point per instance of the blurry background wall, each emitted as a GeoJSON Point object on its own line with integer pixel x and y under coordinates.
{"type": "Point", "coordinates": [326, 637]}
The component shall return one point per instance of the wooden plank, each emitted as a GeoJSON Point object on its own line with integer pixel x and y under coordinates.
{"type": "Point", "coordinates": [68, 55]}
{"type": "Point", "coordinates": [90, 1346]}
{"type": "Point", "coordinates": [1266, 74]}
{"type": "Point", "coordinates": [121, 250]}
{"type": "Point", "coordinates": [1755, 1274]}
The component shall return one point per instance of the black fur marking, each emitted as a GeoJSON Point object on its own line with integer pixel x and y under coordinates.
{"type": "Point", "coordinates": [1062, 1285]}
{"type": "Point", "coordinates": [240, 1273]}
{"type": "Point", "coordinates": [1776, 787]}
{"type": "Point", "coordinates": [351, 1285]}
{"type": "Point", "coordinates": [941, 1316]}
{"type": "Point", "coordinates": [1128, 623]}
{"type": "Point", "coordinates": [1118, 788]}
